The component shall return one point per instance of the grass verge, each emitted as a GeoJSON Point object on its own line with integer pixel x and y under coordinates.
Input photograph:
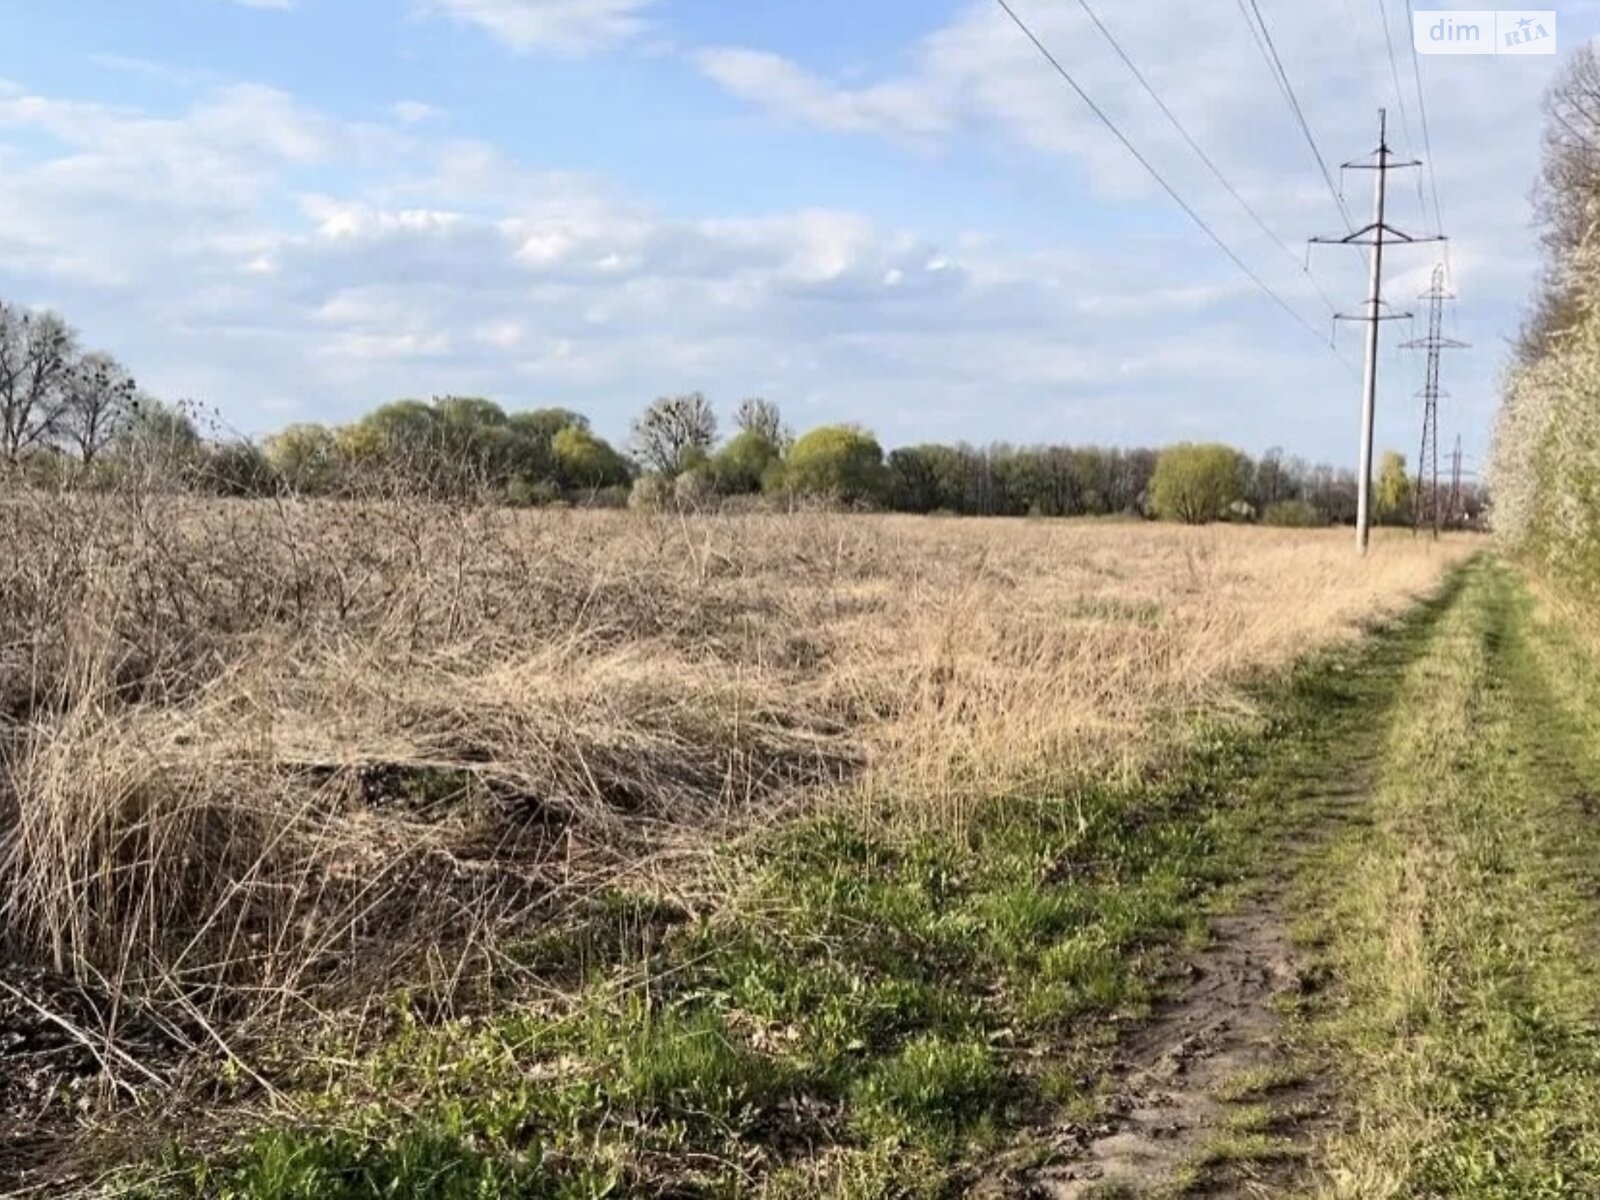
{"type": "Point", "coordinates": [1460, 920]}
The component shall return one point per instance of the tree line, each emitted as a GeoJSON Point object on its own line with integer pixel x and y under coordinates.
{"type": "Point", "coordinates": [1545, 466]}
{"type": "Point", "coordinates": [79, 416]}
{"type": "Point", "coordinates": [676, 456]}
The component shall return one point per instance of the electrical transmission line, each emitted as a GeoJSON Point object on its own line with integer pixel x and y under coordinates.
{"type": "Point", "coordinates": [1264, 42]}
{"type": "Point", "coordinates": [1177, 199]}
{"type": "Point", "coordinates": [1427, 494]}
{"type": "Point", "coordinates": [1400, 93]}
{"type": "Point", "coordinates": [1422, 112]}
{"type": "Point", "coordinates": [1377, 234]}
{"type": "Point", "coordinates": [1454, 511]}
{"type": "Point", "coordinates": [1199, 150]}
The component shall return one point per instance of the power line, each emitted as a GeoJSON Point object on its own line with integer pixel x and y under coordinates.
{"type": "Point", "coordinates": [1266, 56]}
{"type": "Point", "coordinates": [1422, 111]}
{"type": "Point", "coordinates": [1200, 151]}
{"type": "Point", "coordinates": [1264, 41]}
{"type": "Point", "coordinates": [1399, 92]}
{"type": "Point", "coordinates": [1155, 174]}
{"type": "Point", "coordinates": [1427, 493]}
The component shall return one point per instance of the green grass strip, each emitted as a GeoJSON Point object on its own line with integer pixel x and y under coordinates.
{"type": "Point", "coordinates": [1461, 920]}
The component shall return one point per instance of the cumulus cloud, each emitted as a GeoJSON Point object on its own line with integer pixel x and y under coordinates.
{"type": "Point", "coordinates": [562, 25]}
{"type": "Point", "coordinates": [979, 81]}
{"type": "Point", "coordinates": [286, 263]}
{"type": "Point", "coordinates": [216, 259]}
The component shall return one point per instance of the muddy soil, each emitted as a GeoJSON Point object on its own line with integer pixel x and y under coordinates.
{"type": "Point", "coordinates": [1167, 1116]}
{"type": "Point", "coordinates": [1174, 1117]}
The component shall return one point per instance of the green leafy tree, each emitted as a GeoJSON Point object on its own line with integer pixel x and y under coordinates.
{"type": "Point", "coordinates": [525, 450]}
{"type": "Point", "coordinates": [840, 461]}
{"type": "Point", "coordinates": [542, 424]}
{"type": "Point", "coordinates": [1394, 487]}
{"type": "Point", "coordinates": [474, 444]}
{"type": "Point", "coordinates": [1195, 483]}
{"type": "Point", "coordinates": [158, 440]}
{"type": "Point", "coordinates": [404, 433]}
{"type": "Point", "coordinates": [585, 461]}
{"type": "Point", "coordinates": [306, 457]}
{"type": "Point", "coordinates": [740, 466]}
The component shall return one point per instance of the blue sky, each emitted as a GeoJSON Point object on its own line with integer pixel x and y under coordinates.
{"type": "Point", "coordinates": [891, 213]}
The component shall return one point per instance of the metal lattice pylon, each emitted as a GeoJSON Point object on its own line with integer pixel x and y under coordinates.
{"type": "Point", "coordinates": [1426, 498]}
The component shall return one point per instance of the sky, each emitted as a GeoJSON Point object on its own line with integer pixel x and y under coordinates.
{"type": "Point", "coordinates": [895, 214]}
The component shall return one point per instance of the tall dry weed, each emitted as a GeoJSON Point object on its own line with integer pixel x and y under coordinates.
{"type": "Point", "coordinates": [261, 759]}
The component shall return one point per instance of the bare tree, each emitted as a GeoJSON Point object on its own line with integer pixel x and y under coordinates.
{"type": "Point", "coordinates": [36, 350]}
{"type": "Point", "coordinates": [759, 416]}
{"type": "Point", "coordinates": [97, 399]}
{"type": "Point", "coordinates": [1569, 178]}
{"type": "Point", "coordinates": [669, 432]}
{"type": "Point", "coordinates": [1566, 198]}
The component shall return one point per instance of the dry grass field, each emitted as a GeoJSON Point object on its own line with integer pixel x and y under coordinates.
{"type": "Point", "coordinates": [263, 763]}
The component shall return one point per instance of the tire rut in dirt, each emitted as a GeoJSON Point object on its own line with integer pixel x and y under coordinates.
{"type": "Point", "coordinates": [1227, 1025]}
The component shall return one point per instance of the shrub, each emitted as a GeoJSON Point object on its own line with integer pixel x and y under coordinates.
{"type": "Point", "coordinates": [651, 492]}
{"type": "Point", "coordinates": [528, 493]}
{"type": "Point", "coordinates": [693, 488]}
{"type": "Point", "coordinates": [740, 465]}
{"type": "Point", "coordinates": [237, 468]}
{"type": "Point", "coordinates": [1293, 514]}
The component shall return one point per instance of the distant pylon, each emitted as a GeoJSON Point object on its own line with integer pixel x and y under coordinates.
{"type": "Point", "coordinates": [1426, 501]}
{"type": "Point", "coordinates": [1453, 512]}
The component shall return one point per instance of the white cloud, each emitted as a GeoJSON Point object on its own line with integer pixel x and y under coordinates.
{"type": "Point", "coordinates": [570, 26]}
{"type": "Point", "coordinates": [903, 108]}
{"type": "Point", "coordinates": [220, 265]}
{"type": "Point", "coordinates": [411, 112]}
{"type": "Point", "coordinates": [147, 69]}
{"type": "Point", "coordinates": [502, 335]}
{"type": "Point", "coordinates": [251, 250]}
{"type": "Point", "coordinates": [978, 79]}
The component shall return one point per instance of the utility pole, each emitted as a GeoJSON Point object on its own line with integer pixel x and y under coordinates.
{"type": "Point", "coordinates": [1435, 343]}
{"type": "Point", "coordinates": [1377, 235]}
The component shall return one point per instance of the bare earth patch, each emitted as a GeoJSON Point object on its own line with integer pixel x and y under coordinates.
{"type": "Point", "coordinates": [1170, 1111]}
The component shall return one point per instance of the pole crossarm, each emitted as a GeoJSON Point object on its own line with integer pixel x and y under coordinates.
{"type": "Point", "coordinates": [1388, 164]}
{"type": "Point", "coordinates": [1429, 343]}
{"type": "Point", "coordinates": [1387, 232]}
